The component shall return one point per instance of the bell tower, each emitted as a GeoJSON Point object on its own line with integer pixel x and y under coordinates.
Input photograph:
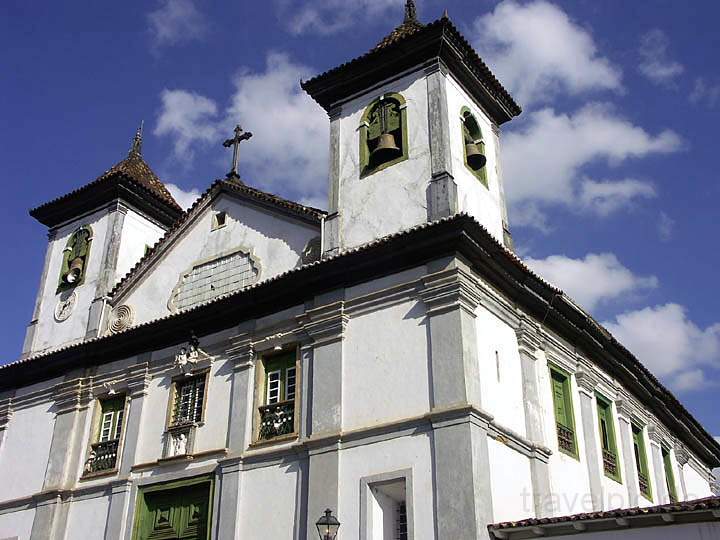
{"type": "Point", "coordinates": [96, 234]}
{"type": "Point", "coordinates": [414, 135]}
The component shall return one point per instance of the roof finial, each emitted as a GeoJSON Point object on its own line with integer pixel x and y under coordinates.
{"type": "Point", "coordinates": [410, 11]}
{"type": "Point", "coordinates": [137, 140]}
{"type": "Point", "coordinates": [445, 14]}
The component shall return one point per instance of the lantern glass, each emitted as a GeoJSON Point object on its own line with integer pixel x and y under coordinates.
{"type": "Point", "coordinates": [328, 526]}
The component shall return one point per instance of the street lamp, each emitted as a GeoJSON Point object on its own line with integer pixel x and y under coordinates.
{"type": "Point", "coordinates": [327, 526]}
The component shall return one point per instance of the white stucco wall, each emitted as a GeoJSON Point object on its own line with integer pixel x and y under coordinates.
{"type": "Point", "coordinates": [268, 499]}
{"type": "Point", "coordinates": [275, 241]}
{"type": "Point", "coordinates": [381, 458]}
{"type": "Point", "coordinates": [500, 371]}
{"type": "Point", "coordinates": [154, 419]}
{"type": "Point", "coordinates": [25, 451]}
{"type": "Point", "coordinates": [137, 232]}
{"type": "Point", "coordinates": [212, 435]}
{"type": "Point", "coordinates": [87, 518]}
{"type": "Point", "coordinates": [385, 356]}
{"type": "Point", "coordinates": [49, 332]}
{"type": "Point", "coordinates": [697, 485]}
{"type": "Point", "coordinates": [484, 204]}
{"type": "Point", "coordinates": [512, 491]}
{"type": "Point", "coordinates": [395, 198]}
{"type": "Point", "coordinates": [17, 524]}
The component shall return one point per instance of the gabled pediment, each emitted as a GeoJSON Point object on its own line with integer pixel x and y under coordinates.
{"type": "Point", "coordinates": [233, 236]}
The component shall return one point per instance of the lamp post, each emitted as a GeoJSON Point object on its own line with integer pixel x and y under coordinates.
{"type": "Point", "coordinates": [328, 526]}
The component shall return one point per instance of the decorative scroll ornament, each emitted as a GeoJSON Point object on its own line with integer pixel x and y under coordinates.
{"type": "Point", "coordinates": [311, 252]}
{"type": "Point", "coordinates": [121, 318]}
{"type": "Point", "coordinates": [65, 306]}
{"type": "Point", "coordinates": [188, 356]}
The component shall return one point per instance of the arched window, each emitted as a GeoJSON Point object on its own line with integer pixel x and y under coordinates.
{"type": "Point", "coordinates": [75, 259]}
{"type": "Point", "coordinates": [383, 134]}
{"type": "Point", "coordinates": [473, 146]}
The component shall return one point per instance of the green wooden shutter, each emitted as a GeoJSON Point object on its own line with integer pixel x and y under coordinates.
{"type": "Point", "coordinates": [669, 476]}
{"type": "Point", "coordinates": [558, 387]}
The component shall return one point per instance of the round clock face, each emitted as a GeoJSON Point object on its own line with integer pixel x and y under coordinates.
{"type": "Point", "coordinates": [64, 307]}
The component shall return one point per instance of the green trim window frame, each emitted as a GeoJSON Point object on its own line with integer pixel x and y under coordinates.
{"type": "Point", "coordinates": [104, 451]}
{"type": "Point", "coordinates": [188, 400]}
{"type": "Point", "coordinates": [278, 395]}
{"type": "Point", "coordinates": [608, 441]}
{"type": "Point", "coordinates": [386, 115]}
{"type": "Point", "coordinates": [669, 475]}
{"type": "Point", "coordinates": [75, 259]}
{"type": "Point", "coordinates": [641, 462]}
{"type": "Point", "coordinates": [179, 509]}
{"type": "Point", "coordinates": [472, 134]}
{"type": "Point", "coordinates": [563, 409]}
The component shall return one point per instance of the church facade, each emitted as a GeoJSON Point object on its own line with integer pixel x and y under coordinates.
{"type": "Point", "coordinates": [234, 370]}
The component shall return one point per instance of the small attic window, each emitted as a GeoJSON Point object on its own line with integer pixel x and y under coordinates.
{"type": "Point", "coordinates": [219, 220]}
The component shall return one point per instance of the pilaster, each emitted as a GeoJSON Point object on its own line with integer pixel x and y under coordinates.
{"type": "Point", "coordinates": [137, 382]}
{"type": "Point", "coordinates": [460, 460]}
{"type": "Point", "coordinates": [325, 326]}
{"type": "Point", "coordinates": [587, 383]}
{"type": "Point", "coordinates": [106, 278]}
{"type": "Point", "coordinates": [331, 225]}
{"type": "Point", "coordinates": [72, 398]}
{"type": "Point", "coordinates": [682, 456]}
{"type": "Point", "coordinates": [32, 327]}
{"type": "Point", "coordinates": [656, 440]}
{"type": "Point", "coordinates": [442, 191]}
{"type": "Point", "coordinates": [625, 411]}
{"type": "Point", "coordinates": [6, 412]}
{"type": "Point", "coordinates": [507, 237]}
{"type": "Point", "coordinates": [529, 344]}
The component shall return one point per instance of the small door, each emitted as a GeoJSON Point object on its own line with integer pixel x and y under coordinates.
{"type": "Point", "coordinates": [175, 514]}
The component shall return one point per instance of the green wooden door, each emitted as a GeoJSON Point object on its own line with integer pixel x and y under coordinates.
{"type": "Point", "coordinates": [175, 514]}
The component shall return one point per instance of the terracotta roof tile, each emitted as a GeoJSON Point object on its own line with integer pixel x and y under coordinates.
{"type": "Point", "coordinates": [707, 503]}
{"type": "Point", "coordinates": [135, 168]}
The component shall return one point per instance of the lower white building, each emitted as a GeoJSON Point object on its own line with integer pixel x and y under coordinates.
{"type": "Point", "coordinates": [235, 370]}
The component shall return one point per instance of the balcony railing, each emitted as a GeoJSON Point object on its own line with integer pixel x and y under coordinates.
{"type": "Point", "coordinates": [644, 484]}
{"type": "Point", "coordinates": [609, 463]}
{"type": "Point", "coordinates": [103, 456]}
{"type": "Point", "coordinates": [277, 419]}
{"type": "Point", "coordinates": [566, 439]}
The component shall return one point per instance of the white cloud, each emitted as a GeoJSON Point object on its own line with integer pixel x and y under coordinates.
{"type": "Point", "coordinates": [332, 16]}
{"type": "Point", "coordinates": [655, 62]}
{"type": "Point", "coordinates": [176, 21]}
{"type": "Point", "coordinates": [593, 280]}
{"type": "Point", "coordinates": [543, 160]}
{"type": "Point", "coordinates": [537, 51]}
{"type": "Point", "coordinates": [670, 344]}
{"type": "Point", "coordinates": [184, 198]}
{"type": "Point", "coordinates": [666, 227]}
{"type": "Point", "coordinates": [189, 119]}
{"type": "Point", "coordinates": [291, 132]}
{"type": "Point", "coordinates": [289, 148]}
{"type": "Point", "coordinates": [605, 197]}
{"type": "Point", "coordinates": [705, 92]}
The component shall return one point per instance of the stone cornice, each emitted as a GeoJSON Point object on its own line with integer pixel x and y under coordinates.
{"type": "Point", "coordinates": [448, 290]}
{"type": "Point", "coordinates": [528, 337]}
{"type": "Point", "coordinates": [681, 454]}
{"type": "Point", "coordinates": [72, 395]}
{"type": "Point", "coordinates": [586, 380]}
{"type": "Point", "coordinates": [326, 323]}
{"type": "Point", "coordinates": [6, 412]}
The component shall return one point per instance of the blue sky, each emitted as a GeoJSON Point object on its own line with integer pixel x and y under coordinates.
{"type": "Point", "coordinates": [610, 170]}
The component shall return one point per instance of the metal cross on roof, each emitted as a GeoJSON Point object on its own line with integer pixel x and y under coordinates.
{"type": "Point", "coordinates": [239, 137]}
{"type": "Point", "coordinates": [410, 11]}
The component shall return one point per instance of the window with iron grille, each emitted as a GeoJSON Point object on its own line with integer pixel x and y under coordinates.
{"type": "Point", "coordinates": [641, 462]}
{"type": "Point", "coordinates": [606, 427]}
{"type": "Point", "coordinates": [669, 475]}
{"type": "Point", "coordinates": [277, 409]}
{"type": "Point", "coordinates": [104, 449]}
{"type": "Point", "coordinates": [564, 420]}
{"type": "Point", "coordinates": [188, 400]}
